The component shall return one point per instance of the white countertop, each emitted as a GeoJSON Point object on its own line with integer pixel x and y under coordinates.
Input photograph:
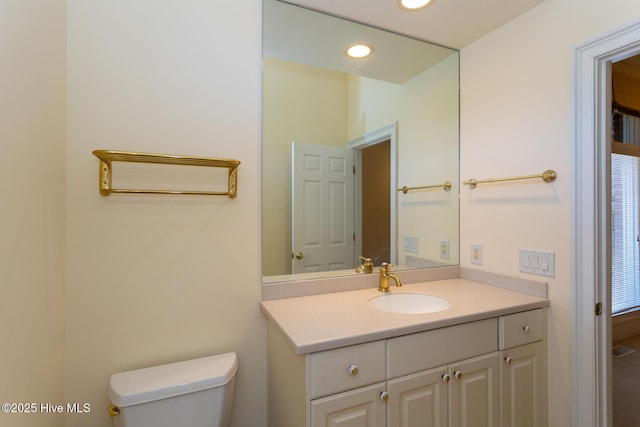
{"type": "Point", "coordinates": [322, 322]}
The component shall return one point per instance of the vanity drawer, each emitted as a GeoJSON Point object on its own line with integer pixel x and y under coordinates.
{"type": "Point", "coordinates": [426, 350]}
{"type": "Point", "coordinates": [520, 328]}
{"type": "Point", "coordinates": [346, 368]}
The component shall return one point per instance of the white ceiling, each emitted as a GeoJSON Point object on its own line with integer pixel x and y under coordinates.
{"type": "Point", "coordinates": [450, 23]}
{"type": "Point", "coordinates": [303, 36]}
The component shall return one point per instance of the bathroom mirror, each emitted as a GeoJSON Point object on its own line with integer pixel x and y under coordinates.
{"type": "Point", "coordinates": [321, 109]}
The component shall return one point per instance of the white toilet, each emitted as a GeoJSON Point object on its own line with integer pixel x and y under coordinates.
{"type": "Point", "coordinates": [193, 393]}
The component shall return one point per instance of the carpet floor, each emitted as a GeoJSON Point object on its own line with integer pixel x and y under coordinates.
{"type": "Point", "coordinates": [626, 383]}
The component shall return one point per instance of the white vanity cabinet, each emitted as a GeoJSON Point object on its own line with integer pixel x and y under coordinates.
{"type": "Point", "coordinates": [523, 369]}
{"type": "Point", "coordinates": [465, 388]}
{"type": "Point", "coordinates": [420, 396]}
{"type": "Point", "coordinates": [463, 394]}
{"type": "Point", "coordinates": [362, 407]}
{"type": "Point", "coordinates": [346, 369]}
{"type": "Point", "coordinates": [485, 373]}
{"type": "Point", "coordinates": [341, 387]}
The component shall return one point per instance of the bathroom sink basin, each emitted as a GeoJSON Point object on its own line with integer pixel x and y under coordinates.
{"type": "Point", "coordinates": [409, 303]}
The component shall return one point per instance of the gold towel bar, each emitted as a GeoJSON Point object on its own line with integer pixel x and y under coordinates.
{"type": "Point", "coordinates": [446, 185]}
{"type": "Point", "coordinates": [108, 156]}
{"type": "Point", "coordinates": [547, 176]}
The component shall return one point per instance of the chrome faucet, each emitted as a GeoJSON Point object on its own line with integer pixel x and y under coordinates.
{"type": "Point", "coordinates": [385, 275]}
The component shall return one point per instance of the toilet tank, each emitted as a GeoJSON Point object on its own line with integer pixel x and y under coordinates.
{"type": "Point", "coordinates": [191, 393]}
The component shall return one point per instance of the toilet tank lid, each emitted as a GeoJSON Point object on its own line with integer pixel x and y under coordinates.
{"type": "Point", "coordinates": [173, 379]}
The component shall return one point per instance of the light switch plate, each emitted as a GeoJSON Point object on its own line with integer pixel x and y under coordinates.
{"type": "Point", "coordinates": [411, 244]}
{"type": "Point", "coordinates": [542, 263]}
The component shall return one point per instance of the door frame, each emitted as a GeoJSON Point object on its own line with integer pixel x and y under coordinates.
{"type": "Point", "coordinates": [591, 265]}
{"type": "Point", "coordinates": [390, 133]}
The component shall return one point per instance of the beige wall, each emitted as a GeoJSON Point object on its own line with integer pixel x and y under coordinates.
{"type": "Point", "coordinates": [516, 119]}
{"type": "Point", "coordinates": [426, 109]}
{"type": "Point", "coordinates": [429, 154]}
{"type": "Point", "coordinates": [305, 104]}
{"type": "Point", "coordinates": [157, 279]}
{"type": "Point", "coordinates": [32, 184]}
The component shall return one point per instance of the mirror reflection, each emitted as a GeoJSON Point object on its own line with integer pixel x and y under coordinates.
{"type": "Point", "coordinates": [342, 135]}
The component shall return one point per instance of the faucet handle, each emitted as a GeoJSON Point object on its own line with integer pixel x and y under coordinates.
{"type": "Point", "coordinates": [366, 266]}
{"type": "Point", "coordinates": [384, 267]}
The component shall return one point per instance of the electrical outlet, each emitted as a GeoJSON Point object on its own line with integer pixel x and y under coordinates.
{"type": "Point", "coordinates": [444, 249]}
{"type": "Point", "coordinates": [411, 244]}
{"type": "Point", "coordinates": [476, 254]}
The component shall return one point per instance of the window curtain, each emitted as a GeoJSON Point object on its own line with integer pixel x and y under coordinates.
{"type": "Point", "coordinates": [625, 253]}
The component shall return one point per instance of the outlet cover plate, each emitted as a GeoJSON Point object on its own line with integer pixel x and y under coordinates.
{"type": "Point", "coordinates": [476, 254]}
{"type": "Point", "coordinates": [444, 249]}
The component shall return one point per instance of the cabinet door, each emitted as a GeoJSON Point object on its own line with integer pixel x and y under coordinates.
{"type": "Point", "coordinates": [474, 392]}
{"type": "Point", "coordinates": [522, 386]}
{"type": "Point", "coordinates": [362, 407]}
{"type": "Point", "coordinates": [419, 400]}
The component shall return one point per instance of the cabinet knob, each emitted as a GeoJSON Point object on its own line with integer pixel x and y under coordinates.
{"type": "Point", "coordinates": [508, 360]}
{"type": "Point", "coordinates": [384, 396]}
{"type": "Point", "coordinates": [526, 329]}
{"type": "Point", "coordinates": [353, 369]}
{"type": "Point", "coordinates": [446, 378]}
{"type": "Point", "coordinates": [457, 375]}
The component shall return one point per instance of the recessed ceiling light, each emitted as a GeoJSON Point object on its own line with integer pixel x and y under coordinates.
{"type": "Point", "coordinates": [414, 4]}
{"type": "Point", "coordinates": [359, 51]}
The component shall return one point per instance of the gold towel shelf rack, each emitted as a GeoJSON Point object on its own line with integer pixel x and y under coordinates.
{"type": "Point", "coordinates": [445, 185]}
{"type": "Point", "coordinates": [108, 156]}
{"type": "Point", "coordinates": [547, 176]}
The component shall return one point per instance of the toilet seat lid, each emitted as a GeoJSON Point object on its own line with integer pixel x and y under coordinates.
{"type": "Point", "coordinates": [173, 379]}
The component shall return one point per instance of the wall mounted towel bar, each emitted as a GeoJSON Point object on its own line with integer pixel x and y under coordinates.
{"type": "Point", "coordinates": [446, 185]}
{"type": "Point", "coordinates": [108, 156]}
{"type": "Point", "coordinates": [547, 176]}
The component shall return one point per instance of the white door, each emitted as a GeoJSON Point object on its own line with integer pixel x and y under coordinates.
{"type": "Point", "coordinates": [322, 217]}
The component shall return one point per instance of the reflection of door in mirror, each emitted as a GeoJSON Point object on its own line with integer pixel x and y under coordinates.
{"type": "Point", "coordinates": [376, 206]}
{"type": "Point", "coordinates": [322, 201]}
